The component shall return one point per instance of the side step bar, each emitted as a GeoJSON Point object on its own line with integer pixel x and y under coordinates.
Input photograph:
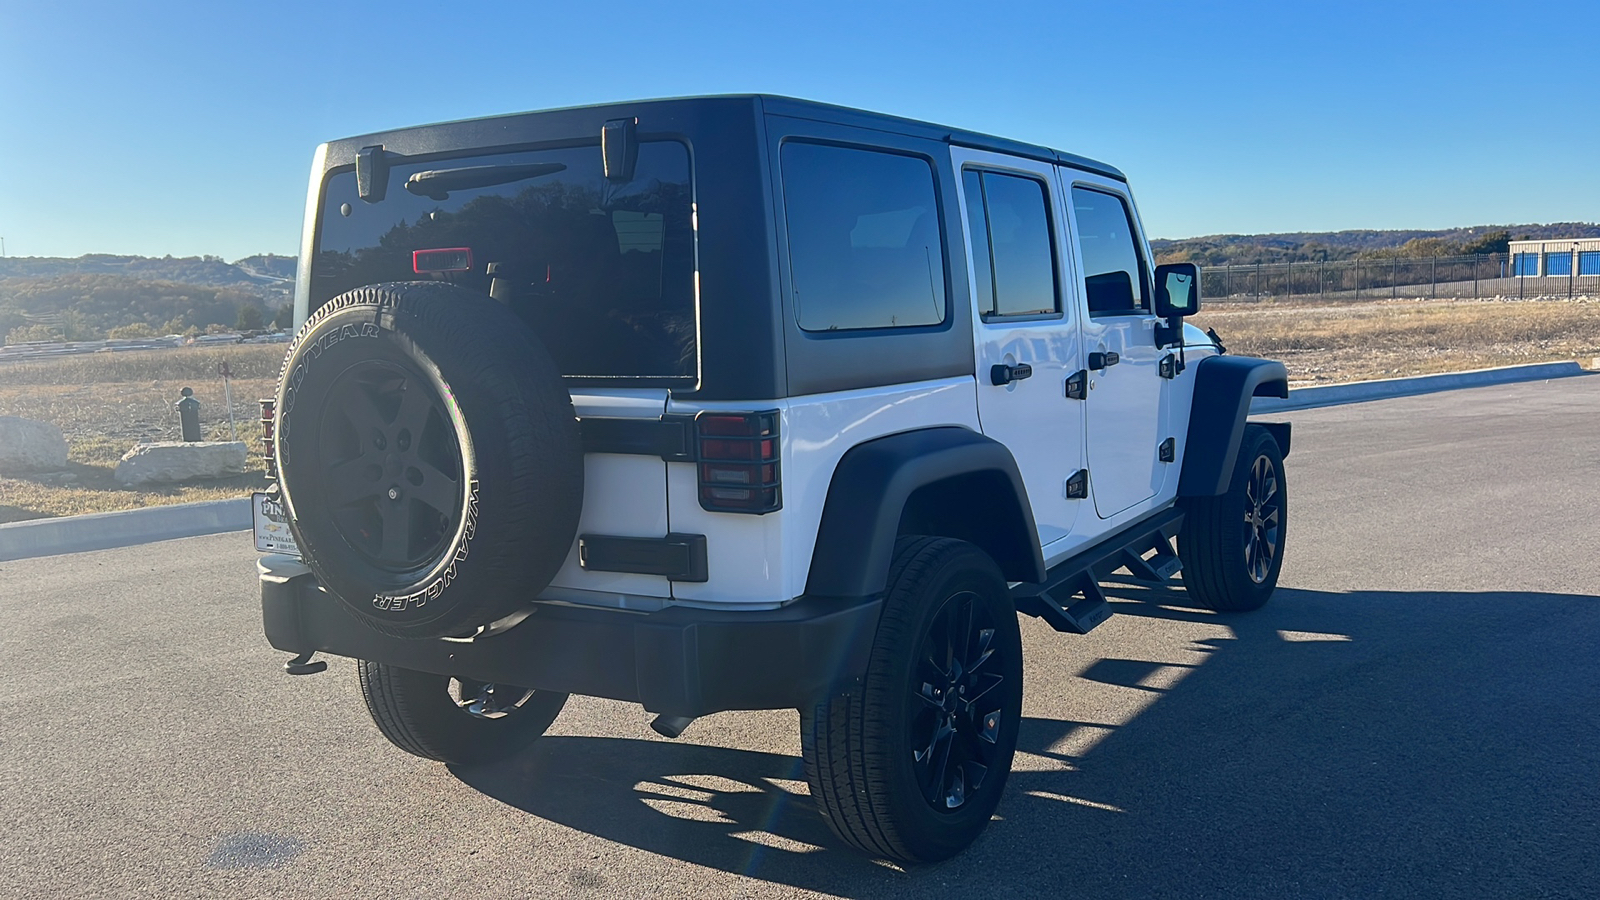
{"type": "Point", "coordinates": [1070, 598]}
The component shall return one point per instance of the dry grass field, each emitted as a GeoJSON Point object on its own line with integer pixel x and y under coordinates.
{"type": "Point", "coordinates": [1336, 343]}
{"type": "Point", "coordinates": [106, 402]}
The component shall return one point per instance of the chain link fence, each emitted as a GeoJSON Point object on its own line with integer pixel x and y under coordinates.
{"type": "Point", "coordinates": [1483, 276]}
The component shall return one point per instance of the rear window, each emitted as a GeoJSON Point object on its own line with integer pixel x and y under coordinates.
{"type": "Point", "coordinates": [603, 271]}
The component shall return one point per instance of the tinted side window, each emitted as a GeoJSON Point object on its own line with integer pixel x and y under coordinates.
{"type": "Point", "coordinates": [1113, 273]}
{"type": "Point", "coordinates": [1014, 262]}
{"type": "Point", "coordinates": [864, 243]}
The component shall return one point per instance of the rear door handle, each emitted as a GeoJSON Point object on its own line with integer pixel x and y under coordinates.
{"type": "Point", "coordinates": [1002, 374]}
{"type": "Point", "coordinates": [1104, 360]}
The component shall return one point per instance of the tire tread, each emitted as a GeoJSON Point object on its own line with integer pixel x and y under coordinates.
{"type": "Point", "coordinates": [845, 753]}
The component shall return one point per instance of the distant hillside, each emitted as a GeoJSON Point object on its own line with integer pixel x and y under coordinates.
{"type": "Point", "coordinates": [47, 298]}
{"type": "Point", "coordinates": [1246, 249]}
{"type": "Point", "coordinates": [267, 271]}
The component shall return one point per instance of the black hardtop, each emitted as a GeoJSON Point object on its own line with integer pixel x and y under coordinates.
{"type": "Point", "coordinates": [744, 347]}
{"type": "Point", "coordinates": [675, 114]}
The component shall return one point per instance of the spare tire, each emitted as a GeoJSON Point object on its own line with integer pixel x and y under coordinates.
{"type": "Point", "coordinates": [428, 457]}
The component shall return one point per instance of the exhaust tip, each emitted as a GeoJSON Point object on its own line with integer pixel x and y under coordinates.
{"type": "Point", "coordinates": [670, 726]}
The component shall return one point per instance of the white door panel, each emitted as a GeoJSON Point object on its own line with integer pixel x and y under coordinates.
{"type": "Point", "coordinates": [1128, 402]}
{"type": "Point", "coordinates": [1124, 409]}
{"type": "Point", "coordinates": [1033, 417]}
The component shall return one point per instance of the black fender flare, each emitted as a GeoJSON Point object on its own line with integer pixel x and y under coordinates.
{"type": "Point", "coordinates": [1223, 386]}
{"type": "Point", "coordinates": [868, 494]}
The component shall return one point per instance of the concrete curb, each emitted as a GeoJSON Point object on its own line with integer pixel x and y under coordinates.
{"type": "Point", "coordinates": [123, 528]}
{"type": "Point", "coordinates": [1362, 391]}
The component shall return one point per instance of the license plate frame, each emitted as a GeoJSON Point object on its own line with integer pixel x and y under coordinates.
{"type": "Point", "coordinates": [270, 522]}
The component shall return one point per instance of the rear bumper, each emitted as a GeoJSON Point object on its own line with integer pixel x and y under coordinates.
{"type": "Point", "coordinates": [679, 661]}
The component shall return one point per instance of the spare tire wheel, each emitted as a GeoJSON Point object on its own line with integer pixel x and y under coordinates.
{"type": "Point", "coordinates": [428, 457]}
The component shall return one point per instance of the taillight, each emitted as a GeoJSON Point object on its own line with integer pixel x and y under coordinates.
{"type": "Point", "coordinates": [738, 461]}
{"type": "Point", "coordinates": [269, 417]}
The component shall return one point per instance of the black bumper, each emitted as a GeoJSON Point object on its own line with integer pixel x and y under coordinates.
{"type": "Point", "coordinates": [679, 661]}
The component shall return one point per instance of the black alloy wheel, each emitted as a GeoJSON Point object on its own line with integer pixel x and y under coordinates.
{"type": "Point", "coordinates": [487, 700]}
{"type": "Point", "coordinates": [393, 476]}
{"type": "Point", "coordinates": [454, 720]}
{"type": "Point", "coordinates": [955, 723]}
{"type": "Point", "coordinates": [1262, 515]}
{"type": "Point", "coordinates": [911, 762]}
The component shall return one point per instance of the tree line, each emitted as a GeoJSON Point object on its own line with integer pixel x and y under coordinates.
{"type": "Point", "coordinates": [91, 306]}
{"type": "Point", "coordinates": [1248, 249]}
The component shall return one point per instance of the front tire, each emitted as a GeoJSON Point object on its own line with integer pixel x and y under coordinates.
{"type": "Point", "coordinates": [1231, 566]}
{"type": "Point", "coordinates": [453, 720]}
{"type": "Point", "coordinates": [911, 765]}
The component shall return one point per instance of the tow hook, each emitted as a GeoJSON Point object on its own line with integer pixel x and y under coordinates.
{"type": "Point", "coordinates": [304, 665]}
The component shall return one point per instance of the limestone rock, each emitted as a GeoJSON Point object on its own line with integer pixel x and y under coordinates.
{"type": "Point", "coordinates": [170, 462]}
{"type": "Point", "coordinates": [30, 446]}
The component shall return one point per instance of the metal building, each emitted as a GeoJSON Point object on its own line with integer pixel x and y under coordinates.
{"type": "Point", "coordinates": [1559, 258]}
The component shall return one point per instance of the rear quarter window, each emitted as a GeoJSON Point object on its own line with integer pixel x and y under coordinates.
{"type": "Point", "coordinates": [865, 245]}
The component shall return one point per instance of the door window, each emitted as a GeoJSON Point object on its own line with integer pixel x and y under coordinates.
{"type": "Point", "coordinates": [1013, 258]}
{"type": "Point", "coordinates": [1114, 276]}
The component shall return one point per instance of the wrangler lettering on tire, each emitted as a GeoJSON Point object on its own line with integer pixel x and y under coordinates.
{"type": "Point", "coordinates": [428, 457]}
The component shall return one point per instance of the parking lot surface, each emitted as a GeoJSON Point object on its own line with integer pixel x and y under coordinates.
{"type": "Point", "coordinates": [1414, 715]}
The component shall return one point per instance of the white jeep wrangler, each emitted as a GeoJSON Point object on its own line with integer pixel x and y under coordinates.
{"type": "Point", "coordinates": [745, 403]}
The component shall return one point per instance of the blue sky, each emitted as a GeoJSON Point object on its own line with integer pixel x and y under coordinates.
{"type": "Point", "coordinates": [187, 128]}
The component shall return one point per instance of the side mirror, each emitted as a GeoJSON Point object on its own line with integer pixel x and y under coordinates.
{"type": "Point", "coordinates": [1177, 290]}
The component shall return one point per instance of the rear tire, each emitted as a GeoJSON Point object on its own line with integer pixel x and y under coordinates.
{"type": "Point", "coordinates": [428, 716]}
{"type": "Point", "coordinates": [911, 765]}
{"type": "Point", "coordinates": [1231, 566]}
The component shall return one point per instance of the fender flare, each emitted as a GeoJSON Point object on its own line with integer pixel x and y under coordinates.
{"type": "Point", "coordinates": [868, 494]}
{"type": "Point", "coordinates": [1223, 386]}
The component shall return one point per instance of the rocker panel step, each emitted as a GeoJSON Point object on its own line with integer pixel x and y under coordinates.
{"type": "Point", "coordinates": [1070, 599]}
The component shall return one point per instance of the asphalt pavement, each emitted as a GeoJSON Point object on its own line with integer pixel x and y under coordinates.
{"type": "Point", "coordinates": [1414, 715]}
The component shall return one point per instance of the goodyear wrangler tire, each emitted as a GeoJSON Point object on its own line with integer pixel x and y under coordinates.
{"type": "Point", "coordinates": [1231, 565]}
{"type": "Point", "coordinates": [912, 763]}
{"type": "Point", "coordinates": [428, 457]}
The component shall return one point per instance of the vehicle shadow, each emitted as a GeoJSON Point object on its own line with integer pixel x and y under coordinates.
{"type": "Point", "coordinates": [1333, 744]}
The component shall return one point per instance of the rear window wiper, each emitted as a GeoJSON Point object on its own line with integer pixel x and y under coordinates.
{"type": "Point", "coordinates": [438, 183]}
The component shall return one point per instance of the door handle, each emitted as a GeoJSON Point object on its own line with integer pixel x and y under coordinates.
{"type": "Point", "coordinates": [1103, 360]}
{"type": "Point", "coordinates": [1002, 374]}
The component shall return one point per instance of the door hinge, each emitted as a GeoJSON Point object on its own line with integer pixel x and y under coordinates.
{"type": "Point", "coordinates": [1168, 451]}
{"type": "Point", "coordinates": [1078, 384]}
{"type": "Point", "coordinates": [1170, 366]}
{"type": "Point", "coordinates": [1078, 485]}
{"type": "Point", "coordinates": [372, 173]}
